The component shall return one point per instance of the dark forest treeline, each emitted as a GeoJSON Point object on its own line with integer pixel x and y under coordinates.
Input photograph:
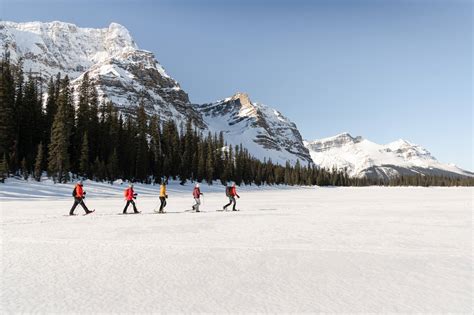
{"type": "Point", "coordinates": [92, 139]}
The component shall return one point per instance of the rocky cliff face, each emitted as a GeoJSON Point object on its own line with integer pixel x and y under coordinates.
{"type": "Point", "coordinates": [333, 142]}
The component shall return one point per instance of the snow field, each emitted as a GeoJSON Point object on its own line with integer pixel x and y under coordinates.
{"type": "Point", "coordinates": [289, 250]}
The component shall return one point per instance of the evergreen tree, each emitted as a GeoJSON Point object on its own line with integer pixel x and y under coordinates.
{"type": "Point", "coordinates": [39, 162]}
{"type": "Point", "coordinates": [83, 116]}
{"type": "Point", "coordinates": [93, 127]}
{"type": "Point", "coordinates": [51, 108]}
{"type": "Point", "coordinates": [187, 156]}
{"type": "Point", "coordinates": [24, 169]}
{"type": "Point", "coordinates": [3, 168]}
{"type": "Point", "coordinates": [155, 148]}
{"type": "Point", "coordinates": [84, 159]}
{"type": "Point", "coordinates": [210, 161]}
{"type": "Point", "coordinates": [141, 164]}
{"type": "Point", "coordinates": [201, 170]}
{"type": "Point", "coordinates": [7, 108]}
{"type": "Point", "coordinates": [113, 166]}
{"type": "Point", "coordinates": [58, 160]}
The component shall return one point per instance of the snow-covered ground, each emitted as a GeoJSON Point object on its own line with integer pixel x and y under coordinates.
{"type": "Point", "coordinates": [288, 250]}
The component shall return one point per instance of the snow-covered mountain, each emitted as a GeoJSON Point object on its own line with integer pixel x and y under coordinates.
{"type": "Point", "coordinates": [362, 157]}
{"type": "Point", "coordinates": [264, 131]}
{"type": "Point", "coordinates": [127, 75]}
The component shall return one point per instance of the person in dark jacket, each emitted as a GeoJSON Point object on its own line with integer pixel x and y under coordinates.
{"type": "Point", "coordinates": [79, 194]}
{"type": "Point", "coordinates": [129, 196]}
{"type": "Point", "coordinates": [231, 192]}
{"type": "Point", "coordinates": [197, 197]}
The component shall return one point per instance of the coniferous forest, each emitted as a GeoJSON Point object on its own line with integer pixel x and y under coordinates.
{"type": "Point", "coordinates": [46, 126]}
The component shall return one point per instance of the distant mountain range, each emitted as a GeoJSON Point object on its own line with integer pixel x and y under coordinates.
{"type": "Point", "coordinates": [127, 76]}
{"type": "Point", "coordinates": [361, 157]}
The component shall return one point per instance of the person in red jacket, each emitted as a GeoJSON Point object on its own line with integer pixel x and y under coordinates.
{"type": "Point", "coordinates": [197, 197]}
{"type": "Point", "coordinates": [79, 194]}
{"type": "Point", "coordinates": [231, 192]}
{"type": "Point", "coordinates": [129, 196]}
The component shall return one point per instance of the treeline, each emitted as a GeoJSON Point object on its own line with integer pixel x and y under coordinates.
{"type": "Point", "coordinates": [72, 134]}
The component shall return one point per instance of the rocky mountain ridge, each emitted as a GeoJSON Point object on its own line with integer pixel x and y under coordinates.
{"type": "Point", "coordinates": [361, 157]}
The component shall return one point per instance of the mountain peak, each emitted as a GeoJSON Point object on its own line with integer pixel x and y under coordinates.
{"type": "Point", "coordinates": [336, 140]}
{"type": "Point", "coordinates": [399, 144]}
{"type": "Point", "coordinates": [243, 98]}
{"type": "Point", "coordinates": [120, 36]}
{"type": "Point", "coordinates": [344, 135]}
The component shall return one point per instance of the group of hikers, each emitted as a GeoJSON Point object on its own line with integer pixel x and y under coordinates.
{"type": "Point", "coordinates": [79, 194]}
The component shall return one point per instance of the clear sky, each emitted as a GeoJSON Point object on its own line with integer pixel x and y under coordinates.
{"type": "Point", "coordinates": [380, 69]}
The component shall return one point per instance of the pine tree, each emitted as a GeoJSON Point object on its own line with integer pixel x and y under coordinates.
{"type": "Point", "coordinates": [93, 128]}
{"type": "Point", "coordinates": [65, 99]}
{"type": "Point", "coordinates": [201, 169]}
{"type": "Point", "coordinates": [51, 108]}
{"type": "Point", "coordinates": [187, 156]}
{"type": "Point", "coordinates": [155, 148]}
{"type": "Point", "coordinates": [7, 107]}
{"type": "Point", "coordinates": [39, 162]}
{"type": "Point", "coordinates": [210, 161]}
{"type": "Point", "coordinates": [83, 114]}
{"type": "Point", "coordinates": [3, 168]}
{"type": "Point", "coordinates": [84, 159]}
{"type": "Point", "coordinates": [141, 145]}
{"type": "Point", "coordinates": [24, 169]}
{"type": "Point", "coordinates": [58, 160]}
{"type": "Point", "coordinates": [113, 166]}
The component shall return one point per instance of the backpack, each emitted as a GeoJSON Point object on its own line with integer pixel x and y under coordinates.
{"type": "Point", "coordinates": [74, 192]}
{"type": "Point", "coordinates": [227, 191]}
{"type": "Point", "coordinates": [125, 193]}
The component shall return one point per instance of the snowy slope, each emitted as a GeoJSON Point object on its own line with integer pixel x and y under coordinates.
{"type": "Point", "coordinates": [264, 131]}
{"type": "Point", "coordinates": [362, 157]}
{"type": "Point", "coordinates": [331, 250]}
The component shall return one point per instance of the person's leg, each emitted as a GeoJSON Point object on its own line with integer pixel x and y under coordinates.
{"type": "Point", "coordinates": [230, 202]}
{"type": "Point", "coordinates": [84, 206]}
{"type": "Point", "coordinates": [76, 202]}
{"type": "Point", "coordinates": [126, 206]}
{"type": "Point", "coordinates": [134, 206]}
{"type": "Point", "coordinates": [235, 203]}
{"type": "Point", "coordinates": [163, 204]}
{"type": "Point", "coordinates": [198, 203]}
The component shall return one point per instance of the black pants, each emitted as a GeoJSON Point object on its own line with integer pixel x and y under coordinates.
{"type": "Point", "coordinates": [134, 207]}
{"type": "Point", "coordinates": [78, 201]}
{"type": "Point", "coordinates": [231, 200]}
{"type": "Point", "coordinates": [163, 203]}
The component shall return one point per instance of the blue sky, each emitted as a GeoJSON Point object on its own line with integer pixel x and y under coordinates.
{"type": "Point", "coordinates": [380, 69]}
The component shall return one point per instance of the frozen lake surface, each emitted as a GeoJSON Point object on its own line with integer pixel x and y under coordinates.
{"type": "Point", "coordinates": [289, 250]}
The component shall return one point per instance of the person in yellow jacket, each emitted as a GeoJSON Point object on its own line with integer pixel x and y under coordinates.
{"type": "Point", "coordinates": [163, 197]}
